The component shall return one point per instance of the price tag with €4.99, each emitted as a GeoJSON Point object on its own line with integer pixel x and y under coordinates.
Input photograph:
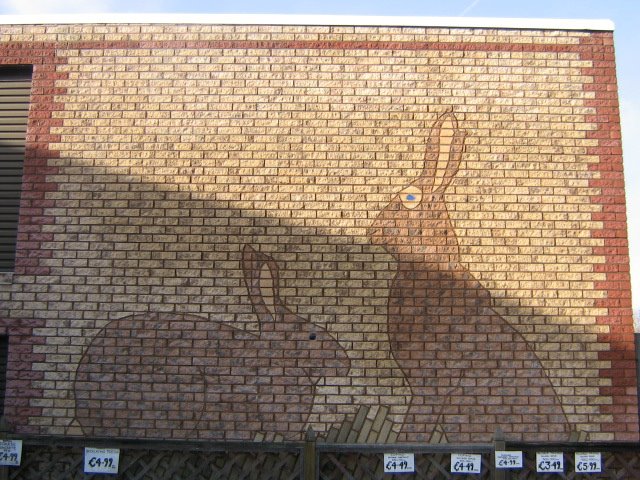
{"type": "Point", "coordinates": [508, 460]}
{"type": "Point", "coordinates": [10, 453]}
{"type": "Point", "coordinates": [399, 463]}
{"type": "Point", "coordinates": [466, 463]}
{"type": "Point", "coordinates": [101, 460]}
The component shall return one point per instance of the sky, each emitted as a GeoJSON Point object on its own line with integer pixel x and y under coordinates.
{"type": "Point", "coordinates": [624, 13]}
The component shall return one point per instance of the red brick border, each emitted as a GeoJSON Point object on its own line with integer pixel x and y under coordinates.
{"type": "Point", "coordinates": [22, 378]}
{"type": "Point", "coordinates": [597, 48]}
{"type": "Point", "coordinates": [624, 410]}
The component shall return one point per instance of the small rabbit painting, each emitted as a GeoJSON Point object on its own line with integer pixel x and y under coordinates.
{"type": "Point", "coordinates": [180, 376]}
{"type": "Point", "coordinates": [469, 370]}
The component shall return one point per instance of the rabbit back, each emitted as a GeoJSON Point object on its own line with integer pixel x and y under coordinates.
{"type": "Point", "coordinates": [179, 376]}
{"type": "Point", "coordinates": [182, 376]}
{"type": "Point", "coordinates": [469, 370]}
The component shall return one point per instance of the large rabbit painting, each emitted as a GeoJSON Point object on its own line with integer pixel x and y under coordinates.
{"type": "Point", "coordinates": [469, 370]}
{"type": "Point", "coordinates": [183, 376]}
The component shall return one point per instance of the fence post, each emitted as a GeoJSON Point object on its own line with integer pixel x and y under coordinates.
{"type": "Point", "coordinates": [309, 456]}
{"type": "Point", "coordinates": [498, 444]}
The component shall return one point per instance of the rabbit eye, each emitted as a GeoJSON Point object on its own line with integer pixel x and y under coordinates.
{"type": "Point", "coordinates": [411, 197]}
{"type": "Point", "coordinates": [312, 336]}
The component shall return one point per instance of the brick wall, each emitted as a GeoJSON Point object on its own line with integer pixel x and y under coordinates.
{"type": "Point", "coordinates": [232, 232]}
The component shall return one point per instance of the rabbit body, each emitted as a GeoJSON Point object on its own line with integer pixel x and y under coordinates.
{"type": "Point", "coordinates": [182, 376]}
{"type": "Point", "coordinates": [469, 370]}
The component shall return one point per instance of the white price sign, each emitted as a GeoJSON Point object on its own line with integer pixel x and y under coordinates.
{"type": "Point", "coordinates": [466, 463]}
{"type": "Point", "coordinates": [506, 459]}
{"type": "Point", "coordinates": [10, 453]}
{"type": "Point", "coordinates": [101, 460]}
{"type": "Point", "coordinates": [550, 462]}
{"type": "Point", "coordinates": [588, 462]}
{"type": "Point", "coordinates": [399, 463]}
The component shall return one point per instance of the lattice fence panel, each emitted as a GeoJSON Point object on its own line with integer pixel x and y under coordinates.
{"type": "Point", "coordinates": [50, 462]}
{"type": "Point", "coordinates": [62, 459]}
{"type": "Point", "coordinates": [616, 465]}
{"type": "Point", "coordinates": [370, 466]}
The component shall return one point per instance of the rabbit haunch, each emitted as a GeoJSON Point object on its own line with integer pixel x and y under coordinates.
{"type": "Point", "coordinates": [183, 376]}
{"type": "Point", "coordinates": [469, 370]}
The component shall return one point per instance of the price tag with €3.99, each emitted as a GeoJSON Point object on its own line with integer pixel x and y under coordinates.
{"type": "Point", "coordinates": [551, 462]}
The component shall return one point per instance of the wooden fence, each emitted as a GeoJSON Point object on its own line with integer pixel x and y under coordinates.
{"type": "Point", "coordinates": [52, 458]}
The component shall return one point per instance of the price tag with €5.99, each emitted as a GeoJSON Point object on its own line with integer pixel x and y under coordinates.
{"type": "Point", "coordinates": [588, 462]}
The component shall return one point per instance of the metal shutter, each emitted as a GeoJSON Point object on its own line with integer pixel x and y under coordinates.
{"type": "Point", "coordinates": [4, 358]}
{"type": "Point", "coordinates": [15, 89]}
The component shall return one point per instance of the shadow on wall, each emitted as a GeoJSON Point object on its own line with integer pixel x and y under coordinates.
{"type": "Point", "coordinates": [184, 278]}
{"type": "Point", "coordinates": [183, 327]}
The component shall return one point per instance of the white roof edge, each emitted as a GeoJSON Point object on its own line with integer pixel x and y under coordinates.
{"type": "Point", "coordinates": [313, 20]}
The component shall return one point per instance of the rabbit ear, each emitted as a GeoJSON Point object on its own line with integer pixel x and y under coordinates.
{"type": "Point", "coordinates": [427, 178]}
{"type": "Point", "coordinates": [253, 263]}
{"type": "Point", "coordinates": [456, 150]}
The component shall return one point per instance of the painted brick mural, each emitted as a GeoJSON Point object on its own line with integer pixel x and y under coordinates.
{"type": "Point", "coordinates": [240, 232]}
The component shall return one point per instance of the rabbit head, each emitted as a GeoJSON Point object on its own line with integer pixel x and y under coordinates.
{"type": "Point", "coordinates": [415, 225]}
{"type": "Point", "coordinates": [305, 344]}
